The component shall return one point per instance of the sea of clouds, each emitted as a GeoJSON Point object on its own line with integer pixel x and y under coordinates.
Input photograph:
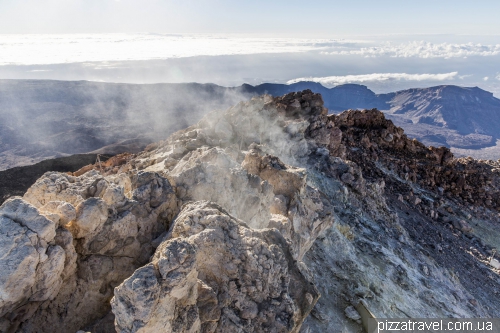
{"type": "Point", "coordinates": [75, 48]}
{"type": "Point", "coordinates": [383, 63]}
{"type": "Point", "coordinates": [35, 49]}
{"type": "Point", "coordinates": [421, 49]}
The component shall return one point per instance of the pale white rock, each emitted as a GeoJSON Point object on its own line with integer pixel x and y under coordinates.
{"type": "Point", "coordinates": [30, 267]}
{"type": "Point", "coordinates": [213, 174]}
{"type": "Point", "coordinates": [49, 275]}
{"type": "Point", "coordinates": [142, 303]}
{"type": "Point", "coordinates": [18, 262]}
{"type": "Point", "coordinates": [28, 216]}
{"type": "Point", "coordinates": [286, 180]}
{"type": "Point", "coordinates": [114, 196]}
{"type": "Point", "coordinates": [123, 180]}
{"type": "Point", "coordinates": [65, 211]}
{"type": "Point", "coordinates": [64, 239]}
{"type": "Point", "coordinates": [215, 274]}
{"type": "Point", "coordinates": [90, 215]}
{"type": "Point", "coordinates": [55, 186]}
{"type": "Point", "coordinates": [75, 272]}
{"type": "Point", "coordinates": [308, 213]}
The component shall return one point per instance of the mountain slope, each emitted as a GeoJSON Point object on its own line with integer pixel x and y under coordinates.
{"type": "Point", "coordinates": [45, 119]}
{"type": "Point", "coordinates": [449, 116]}
{"type": "Point", "coordinates": [240, 222]}
{"type": "Point", "coordinates": [467, 110]}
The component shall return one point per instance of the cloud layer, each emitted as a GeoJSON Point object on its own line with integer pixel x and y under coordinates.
{"type": "Point", "coordinates": [79, 48]}
{"type": "Point", "coordinates": [396, 62]}
{"type": "Point", "coordinates": [420, 49]}
{"type": "Point", "coordinates": [331, 81]}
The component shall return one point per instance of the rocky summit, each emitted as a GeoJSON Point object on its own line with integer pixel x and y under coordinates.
{"type": "Point", "coordinates": [270, 216]}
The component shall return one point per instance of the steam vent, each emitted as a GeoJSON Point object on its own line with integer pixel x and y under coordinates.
{"type": "Point", "coordinates": [271, 216]}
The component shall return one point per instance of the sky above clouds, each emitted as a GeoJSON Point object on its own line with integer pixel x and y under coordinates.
{"type": "Point", "coordinates": [325, 18]}
{"type": "Point", "coordinates": [387, 45]}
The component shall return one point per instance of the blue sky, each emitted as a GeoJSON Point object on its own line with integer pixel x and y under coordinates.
{"type": "Point", "coordinates": [292, 17]}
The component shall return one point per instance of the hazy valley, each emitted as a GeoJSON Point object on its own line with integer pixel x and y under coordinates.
{"type": "Point", "coordinates": [47, 119]}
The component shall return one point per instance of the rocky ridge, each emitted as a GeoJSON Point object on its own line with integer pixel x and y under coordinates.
{"type": "Point", "coordinates": [463, 118]}
{"type": "Point", "coordinates": [240, 222]}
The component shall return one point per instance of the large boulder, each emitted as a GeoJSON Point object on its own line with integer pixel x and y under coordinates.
{"type": "Point", "coordinates": [215, 274]}
{"type": "Point", "coordinates": [77, 239]}
{"type": "Point", "coordinates": [32, 264]}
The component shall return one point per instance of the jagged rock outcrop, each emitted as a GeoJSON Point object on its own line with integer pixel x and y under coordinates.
{"type": "Point", "coordinates": [212, 174]}
{"type": "Point", "coordinates": [240, 222]}
{"type": "Point", "coordinates": [213, 273]}
{"type": "Point", "coordinates": [411, 207]}
{"type": "Point", "coordinates": [32, 266]}
{"type": "Point", "coordinates": [371, 139]}
{"type": "Point", "coordinates": [86, 235]}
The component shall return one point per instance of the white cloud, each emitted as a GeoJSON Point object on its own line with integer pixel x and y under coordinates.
{"type": "Point", "coordinates": [421, 49]}
{"type": "Point", "coordinates": [331, 81]}
{"type": "Point", "coordinates": [81, 48]}
{"type": "Point", "coordinates": [486, 78]}
{"type": "Point", "coordinates": [462, 77]}
{"type": "Point", "coordinates": [498, 77]}
{"type": "Point", "coordinates": [39, 70]}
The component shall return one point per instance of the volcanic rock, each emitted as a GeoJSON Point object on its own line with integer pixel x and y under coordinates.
{"type": "Point", "coordinates": [240, 222]}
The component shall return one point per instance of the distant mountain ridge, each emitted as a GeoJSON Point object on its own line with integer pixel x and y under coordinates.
{"type": "Point", "coordinates": [451, 116]}
{"type": "Point", "coordinates": [337, 99]}
{"type": "Point", "coordinates": [41, 119]}
{"type": "Point", "coordinates": [467, 110]}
